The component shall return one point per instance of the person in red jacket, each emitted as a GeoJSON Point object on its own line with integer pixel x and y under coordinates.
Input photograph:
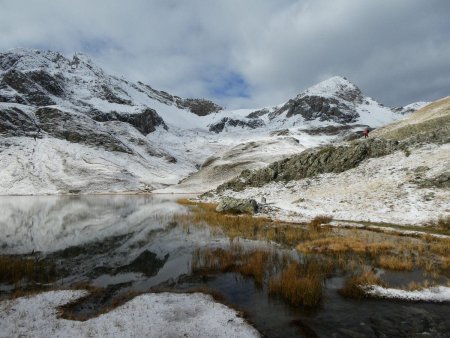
{"type": "Point", "coordinates": [366, 133]}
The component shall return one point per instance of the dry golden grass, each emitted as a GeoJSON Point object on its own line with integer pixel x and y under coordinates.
{"type": "Point", "coordinates": [445, 263]}
{"type": "Point", "coordinates": [316, 223]}
{"type": "Point", "coordinates": [243, 226]}
{"type": "Point", "coordinates": [351, 248]}
{"type": "Point", "coordinates": [444, 222]}
{"type": "Point", "coordinates": [250, 263]}
{"type": "Point", "coordinates": [297, 285]}
{"type": "Point", "coordinates": [337, 245]}
{"type": "Point", "coordinates": [395, 263]}
{"type": "Point", "coordinates": [354, 286]}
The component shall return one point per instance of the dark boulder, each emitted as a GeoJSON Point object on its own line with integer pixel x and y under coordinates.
{"type": "Point", "coordinates": [237, 206]}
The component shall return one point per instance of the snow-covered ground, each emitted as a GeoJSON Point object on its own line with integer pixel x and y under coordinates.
{"type": "Point", "coordinates": [433, 294]}
{"type": "Point", "coordinates": [149, 315]}
{"type": "Point", "coordinates": [378, 190]}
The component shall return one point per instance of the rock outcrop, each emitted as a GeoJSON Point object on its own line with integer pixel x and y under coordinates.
{"type": "Point", "coordinates": [146, 122]}
{"type": "Point", "coordinates": [229, 122]}
{"type": "Point", "coordinates": [16, 122]}
{"type": "Point", "coordinates": [78, 129]}
{"type": "Point", "coordinates": [237, 206]}
{"type": "Point", "coordinates": [334, 100]}
{"type": "Point", "coordinates": [313, 162]}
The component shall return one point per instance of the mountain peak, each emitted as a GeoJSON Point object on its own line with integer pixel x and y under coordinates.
{"type": "Point", "coordinates": [336, 86]}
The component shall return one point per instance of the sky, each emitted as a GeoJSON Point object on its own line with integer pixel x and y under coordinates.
{"type": "Point", "coordinates": [248, 53]}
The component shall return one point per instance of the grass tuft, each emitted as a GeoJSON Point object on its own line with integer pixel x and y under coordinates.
{"type": "Point", "coordinates": [316, 223]}
{"type": "Point", "coordinates": [355, 285]}
{"type": "Point", "coordinates": [298, 284]}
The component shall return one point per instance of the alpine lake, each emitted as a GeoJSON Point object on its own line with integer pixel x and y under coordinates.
{"type": "Point", "coordinates": [287, 280]}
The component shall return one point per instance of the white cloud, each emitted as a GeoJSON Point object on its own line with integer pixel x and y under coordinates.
{"type": "Point", "coordinates": [396, 51]}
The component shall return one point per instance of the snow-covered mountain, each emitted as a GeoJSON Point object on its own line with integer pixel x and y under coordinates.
{"type": "Point", "coordinates": [66, 126]}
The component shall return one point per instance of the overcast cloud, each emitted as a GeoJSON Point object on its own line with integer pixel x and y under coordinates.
{"type": "Point", "coordinates": [248, 53]}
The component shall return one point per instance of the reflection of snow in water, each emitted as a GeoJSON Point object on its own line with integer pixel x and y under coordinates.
{"type": "Point", "coordinates": [51, 223]}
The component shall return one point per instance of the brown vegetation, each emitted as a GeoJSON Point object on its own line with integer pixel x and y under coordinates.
{"type": "Point", "coordinates": [298, 285]}
{"type": "Point", "coordinates": [316, 223]}
{"type": "Point", "coordinates": [354, 286]}
{"type": "Point", "coordinates": [395, 262]}
{"type": "Point", "coordinates": [17, 270]}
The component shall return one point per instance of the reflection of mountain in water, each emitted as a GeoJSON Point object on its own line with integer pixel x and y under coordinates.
{"type": "Point", "coordinates": [51, 223]}
{"type": "Point", "coordinates": [107, 240]}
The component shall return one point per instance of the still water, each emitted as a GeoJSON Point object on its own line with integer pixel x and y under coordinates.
{"type": "Point", "coordinates": [129, 243]}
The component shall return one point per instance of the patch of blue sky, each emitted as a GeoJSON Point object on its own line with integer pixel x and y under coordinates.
{"type": "Point", "coordinates": [227, 85]}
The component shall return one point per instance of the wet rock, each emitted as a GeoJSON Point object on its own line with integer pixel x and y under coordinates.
{"type": "Point", "coordinates": [237, 206]}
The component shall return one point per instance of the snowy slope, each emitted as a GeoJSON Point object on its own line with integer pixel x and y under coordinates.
{"type": "Point", "coordinates": [66, 126]}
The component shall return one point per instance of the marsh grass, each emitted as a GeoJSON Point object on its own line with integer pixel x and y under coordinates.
{"type": "Point", "coordinates": [19, 271]}
{"type": "Point", "coordinates": [249, 263]}
{"type": "Point", "coordinates": [339, 245]}
{"type": "Point", "coordinates": [398, 263]}
{"type": "Point", "coordinates": [298, 284]}
{"type": "Point", "coordinates": [317, 222]}
{"type": "Point", "coordinates": [444, 223]}
{"type": "Point", "coordinates": [349, 250]}
{"type": "Point", "coordinates": [244, 226]}
{"type": "Point", "coordinates": [355, 285]}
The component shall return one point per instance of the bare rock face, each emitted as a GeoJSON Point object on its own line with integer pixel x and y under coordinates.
{"type": "Point", "coordinates": [323, 109]}
{"type": "Point", "coordinates": [15, 122]}
{"type": "Point", "coordinates": [200, 107]}
{"type": "Point", "coordinates": [237, 206]}
{"type": "Point", "coordinates": [77, 128]}
{"type": "Point", "coordinates": [334, 100]}
{"type": "Point", "coordinates": [229, 122]}
{"type": "Point", "coordinates": [29, 91]}
{"type": "Point", "coordinates": [146, 121]}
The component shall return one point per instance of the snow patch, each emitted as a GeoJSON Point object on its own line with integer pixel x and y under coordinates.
{"type": "Point", "coordinates": [150, 315]}
{"type": "Point", "coordinates": [434, 294]}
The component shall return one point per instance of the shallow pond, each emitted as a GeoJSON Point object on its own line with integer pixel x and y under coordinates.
{"type": "Point", "coordinates": [127, 244]}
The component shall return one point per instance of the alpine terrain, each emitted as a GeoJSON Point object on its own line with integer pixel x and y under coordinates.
{"type": "Point", "coordinates": [66, 126]}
